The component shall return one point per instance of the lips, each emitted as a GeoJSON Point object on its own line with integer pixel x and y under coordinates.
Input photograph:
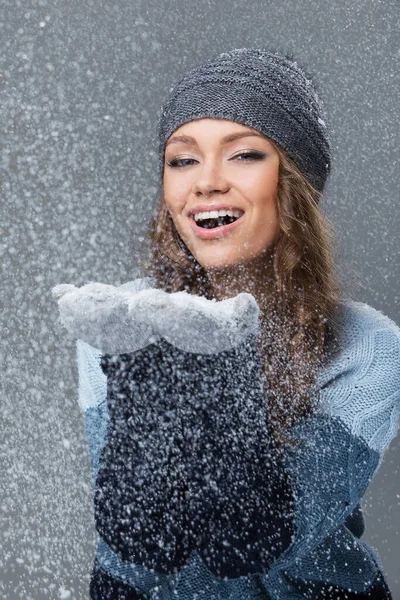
{"type": "Point", "coordinates": [210, 207]}
{"type": "Point", "coordinates": [215, 232]}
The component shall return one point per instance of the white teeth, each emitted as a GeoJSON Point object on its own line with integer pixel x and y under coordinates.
{"type": "Point", "coordinates": [214, 214]}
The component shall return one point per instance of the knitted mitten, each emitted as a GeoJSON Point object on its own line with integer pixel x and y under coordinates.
{"type": "Point", "coordinates": [188, 463]}
{"type": "Point", "coordinates": [97, 313]}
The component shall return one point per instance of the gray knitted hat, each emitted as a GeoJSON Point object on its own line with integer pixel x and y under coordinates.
{"type": "Point", "coordinates": [260, 89]}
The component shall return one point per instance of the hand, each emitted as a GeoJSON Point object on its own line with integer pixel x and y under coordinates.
{"type": "Point", "coordinates": [119, 321]}
{"type": "Point", "coordinates": [188, 463]}
{"type": "Point", "coordinates": [195, 324]}
{"type": "Point", "coordinates": [98, 314]}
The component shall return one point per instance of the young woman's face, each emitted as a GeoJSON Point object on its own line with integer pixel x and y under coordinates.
{"type": "Point", "coordinates": [212, 165]}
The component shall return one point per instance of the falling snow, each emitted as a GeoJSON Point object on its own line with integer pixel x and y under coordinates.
{"type": "Point", "coordinates": [81, 85]}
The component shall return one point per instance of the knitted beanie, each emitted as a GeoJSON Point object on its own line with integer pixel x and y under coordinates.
{"type": "Point", "coordinates": [263, 90]}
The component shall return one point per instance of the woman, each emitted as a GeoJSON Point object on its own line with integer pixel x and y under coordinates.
{"type": "Point", "coordinates": [236, 405]}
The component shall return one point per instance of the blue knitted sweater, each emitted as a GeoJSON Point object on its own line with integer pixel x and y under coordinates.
{"type": "Point", "coordinates": [342, 445]}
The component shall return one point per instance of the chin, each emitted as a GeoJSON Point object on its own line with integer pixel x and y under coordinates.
{"type": "Point", "coordinates": [216, 262]}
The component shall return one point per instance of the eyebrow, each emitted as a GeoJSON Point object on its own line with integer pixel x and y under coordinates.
{"type": "Point", "coordinates": [187, 139]}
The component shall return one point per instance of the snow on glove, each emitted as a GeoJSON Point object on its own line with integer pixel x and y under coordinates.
{"type": "Point", "coordinates": [193, 323]}
{"type": "Point", "coordinates": [119, 321]}
{"type": "Point", "coordinates": [188, 463]}
{"type": "Point", "coordinates": [98, 314]}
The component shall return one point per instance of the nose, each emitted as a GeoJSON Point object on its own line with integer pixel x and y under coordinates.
{"type": "Point", "coordinates": [210, 180]}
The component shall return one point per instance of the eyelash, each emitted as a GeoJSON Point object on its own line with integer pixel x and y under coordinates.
{"type": "Point", "coordinates": [255, 155]}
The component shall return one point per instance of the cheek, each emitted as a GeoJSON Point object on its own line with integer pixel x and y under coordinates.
{"type": "Point", "coordinates": [263, 185]}
{"type": "Point", "coordinates": [174, 197]}
{"type": "Point", "coordinates": [264, 224]}
{"type": "Point", "coordinates": [175, 193]}
{"type": "Point", "coordinates": [262, 194]}
{"type": "Point", "coordinates": [174, 205]}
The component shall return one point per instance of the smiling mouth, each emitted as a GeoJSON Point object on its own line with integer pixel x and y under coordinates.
{"type": "Point", "coordinates": [221, 226]}
{"type": "Point", "coordinates": [218, 222]}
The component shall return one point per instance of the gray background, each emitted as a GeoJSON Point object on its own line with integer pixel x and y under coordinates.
{"type": "Point", "coordinates": [80, 89]}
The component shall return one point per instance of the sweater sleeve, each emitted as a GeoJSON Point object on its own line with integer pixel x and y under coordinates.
{"type": "Point", "coordinates": [361, 388]}
{"type": "Point", "coordinates": [92, 387]}
{"type": "Point", "coordinates": [92, 394]}
{"type": "Point", "coordinates": [341, 448]}
{"type": "Point", "coordinates": [358, 416]}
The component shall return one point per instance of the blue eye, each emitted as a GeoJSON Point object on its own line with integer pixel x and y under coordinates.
{"type": "Point", "coordinates": [247, 157]}
{"type": "Point", "coordinates": [251, 155]}
{"type": "Point", "coordinates": [174, 162]}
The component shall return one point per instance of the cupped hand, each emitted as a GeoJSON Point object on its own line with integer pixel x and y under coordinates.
{"type": "Point", "coordinates": [98, 314]}
{"type": "Point", "coordinates": [196, 324]}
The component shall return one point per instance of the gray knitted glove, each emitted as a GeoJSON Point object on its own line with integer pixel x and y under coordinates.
{"type": "Point", "coordinates": [195, 324]}
{"type": "Point", "coordinates": [118, 321]}
{"type": "Point", "coordinates": [187, 462]}
{"type": "Point", "coordinates": [98, 314]}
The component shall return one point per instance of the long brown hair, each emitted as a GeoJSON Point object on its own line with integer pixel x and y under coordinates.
{"type": "Point", "coordinates": [304, 308]}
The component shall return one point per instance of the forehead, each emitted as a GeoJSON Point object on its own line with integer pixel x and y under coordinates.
{"type": "Point", "coordinates": [207, 129]}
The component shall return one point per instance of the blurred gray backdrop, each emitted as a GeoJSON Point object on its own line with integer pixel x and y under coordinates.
{"type": "Point", "coordinates": [81, 85]}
